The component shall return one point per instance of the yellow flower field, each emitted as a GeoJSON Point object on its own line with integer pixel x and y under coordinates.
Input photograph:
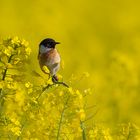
{"type": "Point", "coordinates": [100, 53]}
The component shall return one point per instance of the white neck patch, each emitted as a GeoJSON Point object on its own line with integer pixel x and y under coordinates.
{"type": "Point", "coordinates": [44, 49]}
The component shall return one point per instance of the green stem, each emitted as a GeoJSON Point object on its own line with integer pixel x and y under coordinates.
{"type": "Point", "coordinates": [4, 74]}
{"type": "Point", "coordinates": [3, 78]}
{"type": "Point", "coordinates": [61, 119]}
{"type": "Point", "coordinates": [83, 130]}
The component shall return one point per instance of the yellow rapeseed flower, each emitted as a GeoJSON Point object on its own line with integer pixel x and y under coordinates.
{"type": "Point", "coordinates": [59, 76]}
{"type": "Point", "coordinates": [79, 94]}
{"type": "Point", "coordinates": [15, 40]}
{"type": "Point", "coordinates": [15, 121]}
{"type": "Point", "coordinates": [50, 82]}
{"type": "Point", "coordinates": [71, 90]}
{"type": "Point", "coordinates": [12, 85]}
{"type": "Point", "coordinates": [28, 85]}
{"type": "Point", "coordinates": [9, 79]}
{"type": "Point", "coordinates": [24, 42]}
{"type": "Point", "coordinates": [7, 51]}
{"type": "Point", "coordinates": [16, 61]}
{"type": "Point", "coordinates": [2, 84]}
{"type": "Point", "coordinates": [34, 100]}
{"type": "Point", "coordinates": [82, 114]}
{"type": "Point", "coordinates": [16, 130]}
{"type": "Point", "coordinates": [27, 51]}
{"type": "Point", "coordinates": [8, 65]}
{"type": "Point", "coordinates": [93, 134]}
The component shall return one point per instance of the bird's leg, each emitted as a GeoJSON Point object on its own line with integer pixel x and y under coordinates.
{"type": "Point", "coordinates": [55, 81]}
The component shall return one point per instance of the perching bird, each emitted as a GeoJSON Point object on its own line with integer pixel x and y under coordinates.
{"type": "Point", "coordinates": [49, 56]}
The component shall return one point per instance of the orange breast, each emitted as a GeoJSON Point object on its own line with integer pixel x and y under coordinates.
{"type": "Point", "coordinates": [49, 58]}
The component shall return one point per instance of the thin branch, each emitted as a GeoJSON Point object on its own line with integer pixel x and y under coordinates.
{"type": "Point", "coordinates": [58, 82]}
{"type": "Point", "coordinates": [48, 86]}
{"type": "Point", "coordinates": [61, 83]}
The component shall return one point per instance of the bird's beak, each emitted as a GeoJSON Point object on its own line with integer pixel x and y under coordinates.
{"type": "Point", "coordinates": [57, 42]}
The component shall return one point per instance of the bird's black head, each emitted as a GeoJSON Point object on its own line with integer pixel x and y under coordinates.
{"type": "Point", "coordinates": [49, 43]}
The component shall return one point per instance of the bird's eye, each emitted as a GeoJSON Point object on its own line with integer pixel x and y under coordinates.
{"type": "Point", "coordinates": [49, 44]}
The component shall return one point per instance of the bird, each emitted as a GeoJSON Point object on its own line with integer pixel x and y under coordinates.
{"type": "Point", "coordinates": [50, 57]}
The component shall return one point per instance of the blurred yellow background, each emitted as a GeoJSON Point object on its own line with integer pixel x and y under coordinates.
{"type": "Point", "coordinates": [99, 37]}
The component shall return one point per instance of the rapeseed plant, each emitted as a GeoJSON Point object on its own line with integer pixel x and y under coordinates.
{"type": "Point", "coordinates": [46, 111]}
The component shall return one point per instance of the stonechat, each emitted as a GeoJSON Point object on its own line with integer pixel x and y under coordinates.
{"type": "Point", "coordinates": [49, 56]}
